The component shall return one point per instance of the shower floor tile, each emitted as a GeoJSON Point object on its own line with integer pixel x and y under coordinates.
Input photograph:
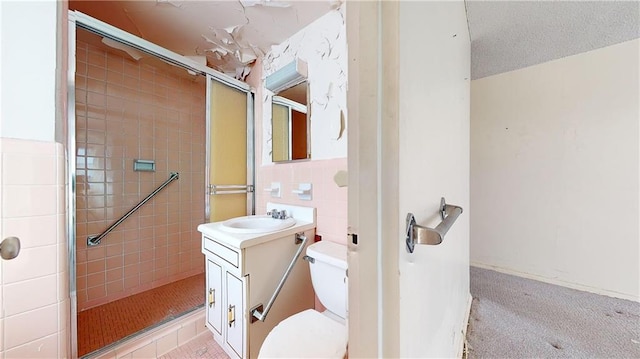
{"type": "Point", "coordinates": [111, 322]}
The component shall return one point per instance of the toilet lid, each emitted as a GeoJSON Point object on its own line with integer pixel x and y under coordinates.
{"type": "Point", "coordinates": [307, 334]}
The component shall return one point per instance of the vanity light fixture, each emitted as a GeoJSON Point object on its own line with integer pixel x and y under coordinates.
{"type": "Point", "coordinates": [288, 76]}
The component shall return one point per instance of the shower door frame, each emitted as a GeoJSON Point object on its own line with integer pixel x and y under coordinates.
{"type": "Point", "coordinates": [76, 20]}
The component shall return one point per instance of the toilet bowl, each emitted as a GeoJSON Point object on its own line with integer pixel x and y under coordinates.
{"type": "Point", "coordinates": [313, 334]}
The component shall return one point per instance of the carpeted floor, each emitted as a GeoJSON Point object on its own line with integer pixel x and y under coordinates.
{"type": "Point", "coordinates": [514, 317]}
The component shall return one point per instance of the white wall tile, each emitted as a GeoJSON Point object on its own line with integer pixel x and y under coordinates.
{"type": "Point", "coordinates": [61, 202]}
{"type": "Point", "coordinates": [62, 286]}
{"type": "Point", "coordinates": [29, 169]}
{"type": "Point", "coordinates": [1, 335]}
{"type": "Point", "coordinates": [63, 343]}
{"type": "Point", "coordinates": [61, 229]}
{"type": "Point", "coordinates": [29, 295]}
{"type": "Point", "coordinates": [64, 314]}
{"type": "Point", "coordinates": [29, 326]}
{"type": "Point", "coordinates": [24, 201]}
{"type": "Point", "coordinates": [186, 333]}
{"type": "Point", "coordinates": [167, 343]}
{"type": "Point", "coordinates": [42, 348]}
{"type": "Point", "coordinates": [31, 263]}
{"type": "Point", "coordinates": [10, 145]}
{"type": "Point", "coordinates": [32, 231]}
{"type": "Point", "coordinates": [148, 351]}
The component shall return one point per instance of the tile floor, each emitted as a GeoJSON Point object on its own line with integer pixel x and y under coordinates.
{"type": "Point", "coordinates": [108, 323]}
{"type": "Point", "coordinates": [202, 347]}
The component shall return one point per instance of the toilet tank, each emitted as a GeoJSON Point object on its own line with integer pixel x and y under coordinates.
{"type": "Point", "coordinates": [328, 275]}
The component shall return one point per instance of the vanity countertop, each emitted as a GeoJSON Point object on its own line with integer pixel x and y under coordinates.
{"type": "Point", "coordinates": [244, 240]}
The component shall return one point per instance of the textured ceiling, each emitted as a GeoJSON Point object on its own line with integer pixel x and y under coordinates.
{"type": "Point", "coordinates": [508, 35]}
{"type": "Point", "coordinates": [231, 34]}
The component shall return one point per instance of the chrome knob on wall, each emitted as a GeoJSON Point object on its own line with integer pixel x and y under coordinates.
{"type": "Point", "coordinates": [10, 247]}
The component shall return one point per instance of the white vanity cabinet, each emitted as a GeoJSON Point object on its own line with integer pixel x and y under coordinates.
{"type": "Point", "coordinates": [225, 293]}
{"type": "Point", "coordinates": [242, 272]}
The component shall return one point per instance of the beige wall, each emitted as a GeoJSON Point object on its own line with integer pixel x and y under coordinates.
{"type": "Point", "coordinates": [433, 151]}
{"type": "Point", "coordinates": [554, 171]}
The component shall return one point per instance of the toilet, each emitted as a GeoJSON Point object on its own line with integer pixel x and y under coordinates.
{"type": "Point", "coordinates": [313, 334]}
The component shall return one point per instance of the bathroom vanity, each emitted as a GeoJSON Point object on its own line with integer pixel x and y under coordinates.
{"type": "Point", "coordinates": [246, 259]}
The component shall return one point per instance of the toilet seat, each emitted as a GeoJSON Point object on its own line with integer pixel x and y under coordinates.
{"type": "Point", "coordinates": [308, 334]}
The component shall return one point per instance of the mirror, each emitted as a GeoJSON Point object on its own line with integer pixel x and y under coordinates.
{"type": "Point", "coordinates": [290, 125]}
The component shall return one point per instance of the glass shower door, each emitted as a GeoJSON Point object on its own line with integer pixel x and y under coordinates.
{"type": "Point", "coordinates": [230, 160]}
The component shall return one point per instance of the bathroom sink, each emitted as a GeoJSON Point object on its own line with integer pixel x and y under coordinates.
{"type": "Point", "coordinates": [256, 224]}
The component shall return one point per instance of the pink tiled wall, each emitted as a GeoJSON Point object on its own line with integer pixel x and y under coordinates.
{"type": "Point", "coordinates": [329, 199]}
{"type": "Point", "coordinates": [34, 286]}
{"type": "Point", "coordinates": [128, 110]}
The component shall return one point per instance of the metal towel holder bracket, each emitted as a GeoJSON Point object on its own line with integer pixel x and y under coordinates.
{"type": "Point", "coordinates": [433, 236]}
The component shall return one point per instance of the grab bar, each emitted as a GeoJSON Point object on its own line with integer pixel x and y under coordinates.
{"type": "Point", "coordinates": [95, 240]}
{"type": "Point", "coordinates": [229, 189]}
{"type": "Point", "coordinates": [257, 312]}
{"type": "Point", "coordinates": [433, 236]}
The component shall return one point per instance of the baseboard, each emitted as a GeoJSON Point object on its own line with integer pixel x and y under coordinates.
{"type": "Point", "coordinates": [462, 339]}
{"type": "Point", "coordinates": [572, 285]}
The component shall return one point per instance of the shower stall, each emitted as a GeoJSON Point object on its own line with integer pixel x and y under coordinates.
{"type": "Point", "coordinates": [142, 156]}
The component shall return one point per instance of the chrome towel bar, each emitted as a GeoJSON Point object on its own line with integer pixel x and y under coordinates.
{"type": "Point", "coordinates": [433, 236]}
{"type": "Point", "coordinates": [229, 188]}
{"type": "Point", "coordinates": [95, 240]}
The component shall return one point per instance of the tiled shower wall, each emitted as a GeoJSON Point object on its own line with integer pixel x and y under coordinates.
{"type": "Point", "coordinates": [128, 110]}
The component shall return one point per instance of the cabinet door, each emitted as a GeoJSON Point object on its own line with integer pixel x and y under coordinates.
{"type": "Point", "coordinates": [214, 296]}
{"type": "Point", "coordinates": [235, 317]}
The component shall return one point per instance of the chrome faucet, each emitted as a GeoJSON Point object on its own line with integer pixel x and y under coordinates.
{"type": "Point", "coordinates": [275, 214]}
